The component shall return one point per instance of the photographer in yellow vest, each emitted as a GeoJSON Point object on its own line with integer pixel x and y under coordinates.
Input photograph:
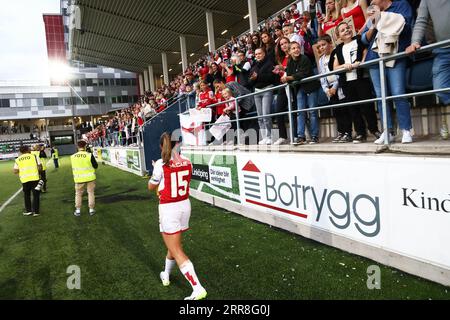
{"type": "Point", "coordinates": [55, 156]}
{"type": "Point", "coordinates": [83, 169]}
{"type": "Point", "coordinates": [27, 166]}
{"type": "Point", "coordinates": [39, 152]}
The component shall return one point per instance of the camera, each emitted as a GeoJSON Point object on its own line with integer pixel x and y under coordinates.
{"type": "Point", "coordinates": [40, 185]}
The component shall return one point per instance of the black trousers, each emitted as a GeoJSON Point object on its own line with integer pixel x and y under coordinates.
{"type": "Point", "coordinates": [55, 161]}
{"type": "Point", "coordinates": [43, 175]}
{"type": "Point", "coordinates": [342, 115]}
{"type": "Point", "coordinates": [361, 89]}
{"type": "Point", "coordinates": [28, 188]}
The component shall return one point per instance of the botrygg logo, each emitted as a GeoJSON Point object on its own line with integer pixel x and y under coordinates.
{"type": "Point", "coordinates": [292, 197]}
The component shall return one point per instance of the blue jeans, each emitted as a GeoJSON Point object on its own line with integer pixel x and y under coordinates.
{"type": "Point", "coordinates": [263, 104]}
{"type": "Point", "coordinates": [396, 83]}
{"type": "Point", "coordinates": [441, 73]}
{"type": "Point", "coordinates": [307, 101]}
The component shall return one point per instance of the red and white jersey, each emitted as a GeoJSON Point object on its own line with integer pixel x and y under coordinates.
{"type": "Point", "coordinates": [173, 179]}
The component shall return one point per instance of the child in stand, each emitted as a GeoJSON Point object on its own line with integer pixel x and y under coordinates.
{"type": "Point", "coordinates": [330, 85]}
{"type": "Point", "coordinates": [356, 85]}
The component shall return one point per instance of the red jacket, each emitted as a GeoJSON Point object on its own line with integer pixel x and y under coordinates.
{"type": "Point", "coordinates": [206, 98]}
{"type": "Point", "coordinates": [220, 107]}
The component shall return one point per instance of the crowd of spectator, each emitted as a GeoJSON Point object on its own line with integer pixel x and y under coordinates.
{"type": "Point", "coordinates": [331, 35]}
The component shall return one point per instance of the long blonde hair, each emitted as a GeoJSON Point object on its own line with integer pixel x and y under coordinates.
{"type": "Point", "coordinates": [338, 4]}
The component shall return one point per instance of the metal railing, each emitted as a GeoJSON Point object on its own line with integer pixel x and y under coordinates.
{"type": "Point", "coordinates": [384, 98]}
{"type": "Point", "coordinates": [113, 139]}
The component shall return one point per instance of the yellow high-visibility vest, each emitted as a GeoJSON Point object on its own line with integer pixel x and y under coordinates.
{"type": "Point", "coordinates": [55, 154]}
{"type": "Point", "coordinates": [37, 153]}
{"type": "Point", "coordinates": [82, 168]}
{"type": "Point", "coordinates": [28, 168]}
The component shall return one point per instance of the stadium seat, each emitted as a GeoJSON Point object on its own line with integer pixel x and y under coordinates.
{"type": "Point", "coordinates": [419, 77]}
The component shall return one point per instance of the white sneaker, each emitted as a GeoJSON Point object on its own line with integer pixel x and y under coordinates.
{"type": "Point", "coordinates": [280, 142]}
{"type": "Point", "coordinates": [164, 276]}
{"type": "Point", "coordinates": [268, 141]}
{"type": "Point", "coordinates": [77, 213]}
{"type": "Point", "coordinates": [27, 213]}
{"type": "Point", "coordinates": [197, 295]}
{"type": "Point", "coordinates": [407, 138]}
{"type": "Point", "coordinates": [380, 140]}
{"type": "Point", "coordinates": [91, 212]}
{"type": "Point", "coordinates": [263, 141]}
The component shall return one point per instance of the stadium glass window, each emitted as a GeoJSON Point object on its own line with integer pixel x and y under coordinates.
{"type": "Point", "coordinates": [50, 102]}
{"type": "Point", "coordinates": [113, 99]}
{"type": "Point", "coordinates": [92, 100]}
{"type": "Point", "coordinates": [100, 82]}
{"type": "Point", "coordinates": [118, 82]}
{"type": "Point", "coordinates": [102, 100]}
{"type": "Point", "coordinates": [62, 140]}
{"type": "Point", "coordinates": [82, 82]}
{"type": "Point", "coordinates": [89, 82]}
{"type": "Point", "coordinates": [106, 82]}
{"type": "Point", "coordinates": [126, 82]}
{"type": "Point", "coordinates": [80, 101]}
{"type": "Point", "coordinates": [4, 103]}
{"type": "Point", "coordinates": [125, 99]}
{"type": "Point", "coordinates": [133, 82]}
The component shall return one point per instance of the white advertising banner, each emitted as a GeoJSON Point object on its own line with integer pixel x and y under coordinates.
{"type": "Point", "coordinates": [128, 159]}
{"type": "Point", "coordinates": [220, 176]}
{"type": "Point", "coordinates": [192, 131]}
{"type": "Point", "coordinates": [400, 204]}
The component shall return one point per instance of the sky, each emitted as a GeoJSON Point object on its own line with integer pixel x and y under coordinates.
{"type": "Point", "coordinates": [23, 50]}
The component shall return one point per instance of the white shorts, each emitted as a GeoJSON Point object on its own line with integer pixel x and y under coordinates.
{"type": "Point", "coordinates": [174, 217]}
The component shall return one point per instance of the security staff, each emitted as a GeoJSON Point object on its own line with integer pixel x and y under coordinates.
{"type": "Point", "coordinates": [83, 169]}
{"type": "Point", "coordinates": [55, 156]}
{"type": "Point", "coordinates": [40, 153]}
{"type": "Point", "coordinates": [28, 166]}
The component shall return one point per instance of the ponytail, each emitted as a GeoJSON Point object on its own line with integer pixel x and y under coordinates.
{"type": "Point", "coordinates": [166, 147]}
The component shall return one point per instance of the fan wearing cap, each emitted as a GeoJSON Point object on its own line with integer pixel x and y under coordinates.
{"type": "Point", "coordinates": [83, 169]}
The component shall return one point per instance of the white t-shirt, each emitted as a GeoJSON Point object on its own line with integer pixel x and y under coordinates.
{"type": "Point", "coordinates": [350, 52]}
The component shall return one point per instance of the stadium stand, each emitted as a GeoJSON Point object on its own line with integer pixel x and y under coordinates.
{"type": "Point", "coordinates": [10, 148]}
{"type": "Point", "coordinates": [224, 64]}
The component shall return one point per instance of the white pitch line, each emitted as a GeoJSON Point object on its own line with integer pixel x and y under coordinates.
{"type": "Point", "coordinates": [10, 199]}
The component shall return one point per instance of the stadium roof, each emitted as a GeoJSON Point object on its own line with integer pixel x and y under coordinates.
{"type": "Point", "coordinates": [131, 34]}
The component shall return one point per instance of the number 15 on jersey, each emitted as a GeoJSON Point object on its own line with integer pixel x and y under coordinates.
{"type": "Point", "coordinates": [179, 183]}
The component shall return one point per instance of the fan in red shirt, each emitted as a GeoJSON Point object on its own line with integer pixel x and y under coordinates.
{"type": "Point", "coordinates": [332, 17]}
{"type": "Point", "coordinates": [171, 177]}
{"type": "Point", "coordinates": [206, 96]}
{"type": "Point", "coordinates": [356, 9]}
{"type": "Point", "coordinates": [219, 98]}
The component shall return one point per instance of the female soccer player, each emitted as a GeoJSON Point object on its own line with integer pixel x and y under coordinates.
{"type": "Point", "coordinates": [171, 176]}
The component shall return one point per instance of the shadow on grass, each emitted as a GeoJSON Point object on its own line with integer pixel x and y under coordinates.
{"type": "Point", "coordinates": [42, 276]}
{"type": "Point", "coordinates": [8, 290]}
{"type": "Point", "coordinates": [115, 197]}
{"type": "Point", "coordinates": [132, 242]}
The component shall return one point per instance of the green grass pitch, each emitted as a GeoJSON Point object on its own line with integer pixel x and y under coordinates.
{"type": "Point", "coordinates": [120, 251]}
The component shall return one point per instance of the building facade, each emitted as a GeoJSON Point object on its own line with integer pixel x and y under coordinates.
{"type": "Point", "coordinates": [90, 90]}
